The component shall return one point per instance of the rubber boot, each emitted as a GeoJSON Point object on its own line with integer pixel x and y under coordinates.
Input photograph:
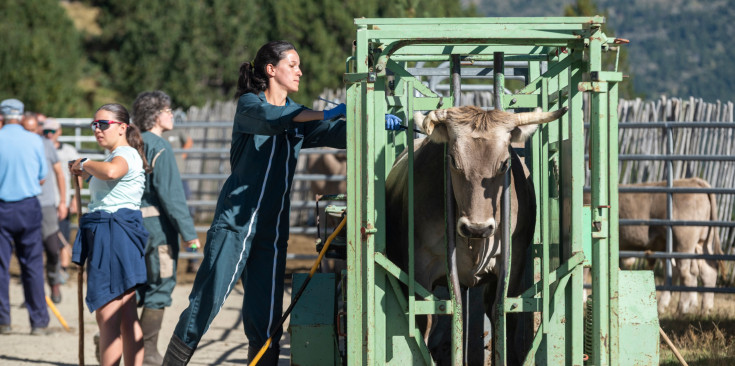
{"type": "Point", "coordinates": [270, 357]}
{"type": "Point", "coordinates": [177, 353]}
{"type": "Point", "coordinates": [150, 322]}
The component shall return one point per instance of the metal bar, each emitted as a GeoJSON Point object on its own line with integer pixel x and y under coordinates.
{"type": "Point", "coordinates": [411, 219]}
{"type": "Point", "coordinates": [676, 255]}
{"type": "Point", "coordinates": [654, 189]}
{"type": "Point", "coordinates": [356, 348]}
{"type": "Point", "coordinates": [661, 222]}
{"type": "Point", "coordinates": [479, 21]}
{"type": "Point", "coordinates": [501, 343]}
{"type": "Point", "coordinates": [718, 290]}
{"type": "Point", "coordinates": [674, 125]}
{"type": "Point", "coordinates": [576, 166]}
{"type": "Point", "coordinates": [396, 272]}
{"type": "Point", "coordinates": [676, 157]}
{"type": "Point", "coordinates": [599, 199]}
{"type": "Point", "coordinates": [454, 287]}
{"type": "Point", "coordinates": [302, 177]}
{"type": "Point", "coordinates": [398, 293]}
{"type": "Point", "coordinates": [613, 220]}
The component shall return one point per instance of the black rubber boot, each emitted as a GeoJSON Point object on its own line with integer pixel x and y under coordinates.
{"type": "Point", "coordinates": [177, 353]}
{"type": "Point", "coordinates": [150, 322]}
{"type": "Point", "coordinates": [270, 357]}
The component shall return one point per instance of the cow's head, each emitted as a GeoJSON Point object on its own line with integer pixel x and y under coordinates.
{"type": "Point", "coordinates": [478, 143]}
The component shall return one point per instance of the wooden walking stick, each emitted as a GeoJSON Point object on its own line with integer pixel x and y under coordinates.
{"type": "Point", "coordinates": [80, 273]}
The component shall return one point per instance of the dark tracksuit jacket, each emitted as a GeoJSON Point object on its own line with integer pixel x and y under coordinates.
{"type": "Point", "coordinates": [165, 215]}
{"type": "Point", "coordinates": [249, 233]}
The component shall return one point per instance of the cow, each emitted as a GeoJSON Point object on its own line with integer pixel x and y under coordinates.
{"type": "Point", "coordinates": [329, 164]}
{"type": "Point", "coordinates": [478, 144]}
{"type": "Point", "coordinates": [686, 239]}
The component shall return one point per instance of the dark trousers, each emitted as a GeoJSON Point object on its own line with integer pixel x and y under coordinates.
{"type": "Point", "coordinates": [20, 223]}
{"type": "Point", "coordinates": [228, 257]}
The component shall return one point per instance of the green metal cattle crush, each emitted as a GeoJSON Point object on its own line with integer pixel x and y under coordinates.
{"type": "Point", "coordinates": [619, 325]}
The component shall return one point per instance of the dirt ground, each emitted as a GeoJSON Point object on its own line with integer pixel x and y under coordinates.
{"type": "Point", "coordinates": [223, 344]}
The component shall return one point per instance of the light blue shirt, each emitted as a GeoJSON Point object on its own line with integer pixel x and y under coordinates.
{"type": "Point", "coordinates": [22, 163]}
{"type": "Point", "coordinates": [126, 192]}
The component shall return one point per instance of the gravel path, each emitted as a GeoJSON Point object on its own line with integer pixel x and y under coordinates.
{"type": "Point", "coordinates": [224, 343]}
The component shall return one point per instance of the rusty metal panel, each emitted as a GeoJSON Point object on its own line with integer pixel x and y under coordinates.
{"type": "Point", "coordinates": [638, 329]}
{"type": "Point", "coordinates": [312, 325]}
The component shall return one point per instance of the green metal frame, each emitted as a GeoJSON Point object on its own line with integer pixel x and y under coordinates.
{"type": "Point", "coordinates": [381, 326]}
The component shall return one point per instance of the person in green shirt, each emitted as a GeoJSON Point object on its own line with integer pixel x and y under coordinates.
{"type": "Point", "coordinates": [165, 216]}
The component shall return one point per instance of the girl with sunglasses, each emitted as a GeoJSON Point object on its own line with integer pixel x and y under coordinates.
{"type": "Point", "coordinates": [111, 236]}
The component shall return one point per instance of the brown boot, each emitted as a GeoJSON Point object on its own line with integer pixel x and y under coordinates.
{"type": "Point", "coordinates": [177, 353]}
{"type": "Point", "coordinates": [150, 322]}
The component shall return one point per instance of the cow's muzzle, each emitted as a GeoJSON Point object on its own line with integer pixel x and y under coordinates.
{"type": "Point", "coordinates": [468, 229]}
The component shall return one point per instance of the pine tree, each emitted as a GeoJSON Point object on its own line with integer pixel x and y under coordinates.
{"type": "Point", "coordinates": [190, 49]}
{"type": "Point", "coordinates": [323, 31]}
{"type": "Point", "coordinates": [40, 56]}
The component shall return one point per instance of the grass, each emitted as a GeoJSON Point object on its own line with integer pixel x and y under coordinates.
{"type": "Point", "coordinates": [702, 340]}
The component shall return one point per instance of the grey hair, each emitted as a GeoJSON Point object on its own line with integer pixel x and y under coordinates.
{"type": "Point", "coordinates": [147, 106]}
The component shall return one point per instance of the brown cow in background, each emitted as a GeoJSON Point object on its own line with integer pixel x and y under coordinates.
{"type": "Point", "coordinates": [686, 239]}
{"type": "Point", "coordinates": [329, 164]}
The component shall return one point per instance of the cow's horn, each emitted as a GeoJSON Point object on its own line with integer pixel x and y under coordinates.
{"type": "Point", "coordinates": [428, 122]}
{"type": "Point", "coordinates": [537, 117]}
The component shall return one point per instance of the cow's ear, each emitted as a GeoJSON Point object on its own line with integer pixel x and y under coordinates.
{"type": "Point", "coordinates": [522, 133]}
{"type": "Point", "coordinates": [433, 125]}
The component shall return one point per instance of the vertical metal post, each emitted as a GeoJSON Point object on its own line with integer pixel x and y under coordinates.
{"type": "Point", "coordinates": [600, 208]}
{"type": "Point", "coordinates": [669, 204]}
{"type": "Point", "coordinates": [498, 80]}
{"type": "Point", "coordinates": [457, 347]}
{"type": "Point", "coordinates": [575, 321]}
{"type": "Point", "coordinates": [356, 283]}
{"type": "Point", "coordinates": [613, 238]}
{"type": "Point", "coordinates": [502, 289]}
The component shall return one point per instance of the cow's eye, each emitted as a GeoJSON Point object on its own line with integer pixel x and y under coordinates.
{"type": "Point", "coordinates": [453, 161]}
{"type": "Point", "coordinates": [504, 167]}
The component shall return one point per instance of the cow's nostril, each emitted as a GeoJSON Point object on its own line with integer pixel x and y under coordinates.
{"type": "Point", "coordinates": [462, 230]}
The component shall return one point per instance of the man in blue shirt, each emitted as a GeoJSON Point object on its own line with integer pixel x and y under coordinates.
{"type": "Point", "coordinates": [22, 169]}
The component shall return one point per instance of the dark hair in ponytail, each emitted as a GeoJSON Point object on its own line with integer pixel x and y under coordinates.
{"type": "Point", "coordinates": [253, 78]}
{"type": "Point", "coordinates": [132, 134]}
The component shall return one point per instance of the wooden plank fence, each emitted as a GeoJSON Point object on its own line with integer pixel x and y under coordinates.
{"type": "Point", "coordinates": [687, 141]}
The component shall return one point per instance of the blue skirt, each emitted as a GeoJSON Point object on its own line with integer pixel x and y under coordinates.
{"type": "Point", "coordinates": [113, 247]}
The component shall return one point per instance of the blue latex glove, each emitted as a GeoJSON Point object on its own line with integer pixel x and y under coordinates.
{"type": "Point", "coordinates": [340, 110]}
{"type": "Point", "coordinates": [393, 123]}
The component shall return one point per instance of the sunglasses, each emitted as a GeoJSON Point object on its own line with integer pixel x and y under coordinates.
{"type": "Point", "coordinates": [102, 124]}
{"type": "Point", "coordinates": [46, 132]}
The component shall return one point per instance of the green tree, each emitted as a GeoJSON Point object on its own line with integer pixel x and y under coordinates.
{"type": "Point", "coordinates": [325, 40]}
{"type": "Point", "coordinates": [589, 8]}
{"type": "Point", "coordinates": [190, 49]}
{"type": "Point", "coordinates": [193, 49]}
{"type": "Point", "coordinates": [40, 57]}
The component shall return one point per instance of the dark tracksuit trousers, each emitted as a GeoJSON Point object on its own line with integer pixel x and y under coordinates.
{"type": "Point", "coordinates": [248, 237]}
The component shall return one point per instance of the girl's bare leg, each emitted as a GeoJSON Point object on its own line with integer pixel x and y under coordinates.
{"type": "Point", "coordinates": [120, 332]}
{"type": "Point", "coordinates": [132, 334]}
{"type": "Point", "coordinates": [108, 319]}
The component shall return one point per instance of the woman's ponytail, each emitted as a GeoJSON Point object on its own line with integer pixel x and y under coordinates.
{"type": "Point", "coordinates": [253, 78]}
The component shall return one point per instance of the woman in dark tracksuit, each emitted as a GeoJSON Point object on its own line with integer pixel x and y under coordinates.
{"type": "Point", "coordinates": [248, 237]}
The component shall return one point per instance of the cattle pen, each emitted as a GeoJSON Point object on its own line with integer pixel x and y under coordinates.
{"type": "Point", "coordinates": [373, 324]}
